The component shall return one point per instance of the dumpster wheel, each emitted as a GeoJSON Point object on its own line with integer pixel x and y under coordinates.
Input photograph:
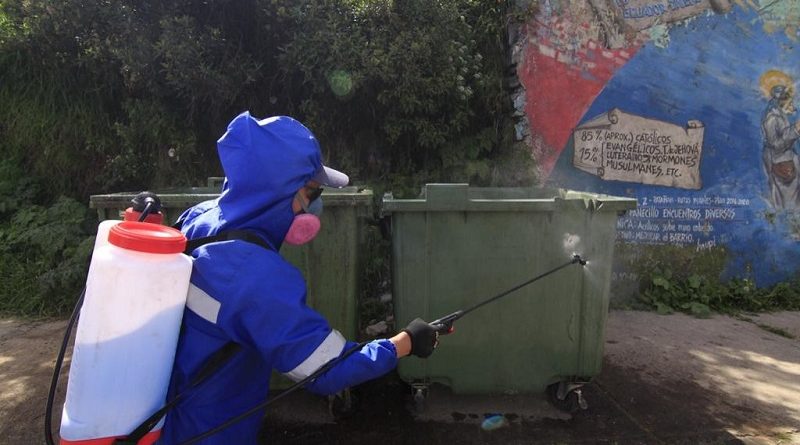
{"type": "Point", "coordinates": [343, 404]}
{"type": "Point", "coordinates": [567, 396]}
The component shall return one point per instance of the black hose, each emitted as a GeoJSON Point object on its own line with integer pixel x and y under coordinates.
{"type": "Point", "coordinates": [324, 368]}
{"type": "Point", "coordinates": [150, 205]}
{"type": "Point", "coordinates": [48, 412]}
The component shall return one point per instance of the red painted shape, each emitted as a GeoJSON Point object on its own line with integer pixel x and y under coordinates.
{"type": "Point", "coordinates": [148, 439]}
{"type": "Point", "coordinates": [560, 86]}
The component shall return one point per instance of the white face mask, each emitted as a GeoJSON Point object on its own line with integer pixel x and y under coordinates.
{"type": "Point", "coordinates": [306, 224]}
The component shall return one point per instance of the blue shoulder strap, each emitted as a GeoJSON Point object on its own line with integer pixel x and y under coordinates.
{"type": "Point", "coordinates": [244, 235]}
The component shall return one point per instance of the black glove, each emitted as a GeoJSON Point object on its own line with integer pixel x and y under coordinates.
{"type": "Point", "coordinates": [424, 337]}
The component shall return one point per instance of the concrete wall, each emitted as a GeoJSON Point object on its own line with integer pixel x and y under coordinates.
{"type": "Point", "coordinates": [686, 105]}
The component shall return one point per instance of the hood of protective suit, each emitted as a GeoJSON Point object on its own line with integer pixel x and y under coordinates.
{"type": "Point", "coordinates": [265, 162]}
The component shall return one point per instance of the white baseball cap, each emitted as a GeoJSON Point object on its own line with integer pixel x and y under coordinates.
{"type": "Point", "coordinates": [331, 177]}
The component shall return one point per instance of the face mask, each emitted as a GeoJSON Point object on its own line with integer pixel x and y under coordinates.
{"type": "Point", "coordinates": [305, 225]}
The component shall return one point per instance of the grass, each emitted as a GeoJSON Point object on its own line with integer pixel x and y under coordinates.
{"type": "Point", "coordinates": [772, 329]}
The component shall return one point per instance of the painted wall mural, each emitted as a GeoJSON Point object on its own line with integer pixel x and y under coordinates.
{"type": "Point", "coordinates": [687, 105]}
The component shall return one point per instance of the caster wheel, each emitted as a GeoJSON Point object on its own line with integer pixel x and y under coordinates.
{"type": "Point", "coordinates": [419, 400]}
{"type": "Point", "coordinates": [342, 405]}
{"type": "Point", "coordinates": [419, 395]}
{"type": "Point", "coordinates": [564, 399]}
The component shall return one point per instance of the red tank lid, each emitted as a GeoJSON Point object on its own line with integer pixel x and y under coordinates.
{"type": "Point", "coordinates": [147, 237]}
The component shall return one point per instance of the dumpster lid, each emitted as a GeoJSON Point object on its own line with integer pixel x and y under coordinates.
{"type": "Point", "coordinates": [188, 196]}
{"type": "Point", "coordinates": [462, 197]}
{"type": "Point", "coordinates": [170, 197]}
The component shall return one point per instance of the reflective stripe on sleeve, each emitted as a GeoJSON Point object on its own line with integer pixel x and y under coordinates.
{"type": "Point", "coordinates": [202, 304]}
{"type": "Point", "coordinates": [330, 348]}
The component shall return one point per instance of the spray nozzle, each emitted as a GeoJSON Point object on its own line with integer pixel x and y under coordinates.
{"type": "Point", "coordinates": [578, 259]}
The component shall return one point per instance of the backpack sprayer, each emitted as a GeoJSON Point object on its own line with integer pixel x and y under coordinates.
{"type": "Point", "coordinates": [125, 341]}
{"type": "Point", "coordinates": [90, 384]}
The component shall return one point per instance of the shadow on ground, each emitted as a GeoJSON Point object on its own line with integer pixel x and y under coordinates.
{"type": "Point", "coordinates": [623, 410]}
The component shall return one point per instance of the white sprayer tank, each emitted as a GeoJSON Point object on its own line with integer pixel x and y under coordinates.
{"type": "Point", "coordinates": [127, 333]}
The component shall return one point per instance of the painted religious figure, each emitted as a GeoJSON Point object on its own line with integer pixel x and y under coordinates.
{"type": "Point", "coordinates": [781, 161]}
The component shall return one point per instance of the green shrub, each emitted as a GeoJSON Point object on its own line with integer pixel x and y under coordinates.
{"type": "Point", "coordinates": [44, 248]}
{"type": "Point", "coordinates": [700, 295]}
{"type": "Point", "coordinates": [101, 96]}
{"type": "Point", "coordinates": [693, 285]}
{"type": "Point", "coordinates": [401, 89]}
{"type": "Point", "coordinates": [118, 95]}
{"type": "Point", "coordinates": [43, 258]}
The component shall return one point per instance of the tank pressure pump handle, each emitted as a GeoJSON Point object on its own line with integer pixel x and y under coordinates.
{"type": "Point", "coordinates": [146, 203]}
{"type": "Point", "coordinates": [144, 199]}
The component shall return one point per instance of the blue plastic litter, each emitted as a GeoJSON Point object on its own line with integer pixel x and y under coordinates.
{"type": "Point", "coordinates": [493, 422]}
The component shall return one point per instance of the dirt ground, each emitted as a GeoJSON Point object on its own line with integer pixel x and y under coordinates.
{"type": "Point", "coordinates": [665, 380]}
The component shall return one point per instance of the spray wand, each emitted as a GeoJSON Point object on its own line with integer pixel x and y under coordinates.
{"type": "Point", "coordinates": [444, 325]}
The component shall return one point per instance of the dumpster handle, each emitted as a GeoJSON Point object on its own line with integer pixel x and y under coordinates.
{"type": "Point", "coordinates": [444, 325]}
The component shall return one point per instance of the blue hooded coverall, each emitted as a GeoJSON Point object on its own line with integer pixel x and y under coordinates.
{"type": "Point", "coordinates": [245, 293]}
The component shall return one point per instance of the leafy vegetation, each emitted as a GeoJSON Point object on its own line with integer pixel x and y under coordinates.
{"type": "Point", "coordinates": [116, 95]}
{"type": "Point", "coordinates": [692, 284]}
{"type": "Point", "coordinates": [699, 295]}
{"type": "Point", "coordinates": [130, 94]}
{"type": "Point", "coordinates": [43, 249]}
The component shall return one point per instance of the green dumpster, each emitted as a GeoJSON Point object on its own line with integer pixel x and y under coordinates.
{"type": "Point", "coordinates": [459, 245]}
{"type": "Point", "coordinates": [331, 264]}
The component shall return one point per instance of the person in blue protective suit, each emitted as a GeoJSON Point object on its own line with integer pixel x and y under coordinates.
{"type": "Point", "coordinates": [249, 294]}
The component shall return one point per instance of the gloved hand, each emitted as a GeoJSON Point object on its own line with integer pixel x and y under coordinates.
{"type": "Point", "coordinates": [424, 337]}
